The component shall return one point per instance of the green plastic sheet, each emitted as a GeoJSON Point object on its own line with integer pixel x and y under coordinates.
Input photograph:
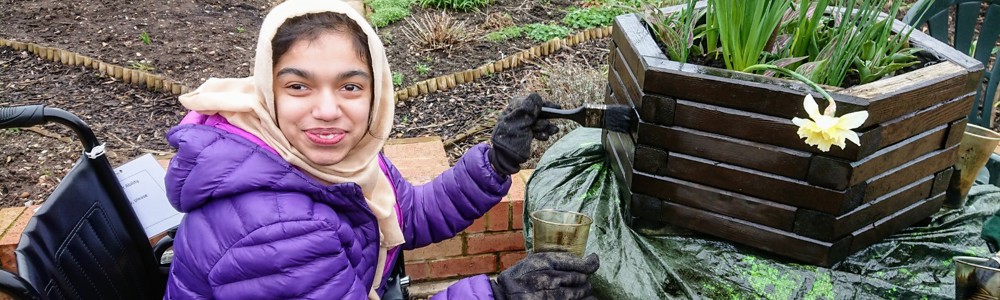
{"type": "Point", "coordinates": [915, 263]}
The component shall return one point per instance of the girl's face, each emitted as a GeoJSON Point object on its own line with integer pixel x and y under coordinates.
{"type": "Point", "coordinates": [322, 91]}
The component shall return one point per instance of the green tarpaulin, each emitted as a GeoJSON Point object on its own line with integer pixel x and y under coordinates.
{"type": "Point", "coordinates": [912, 264]}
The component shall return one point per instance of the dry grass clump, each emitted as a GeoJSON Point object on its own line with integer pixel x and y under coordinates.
{"type": "Point", "coordinates": [437, 31]}
{"type": "Point", "coordinates": [497, 20]}
{"type": "Point", "coordinates": [570, 85]}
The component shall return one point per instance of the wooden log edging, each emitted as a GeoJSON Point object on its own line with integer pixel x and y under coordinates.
{"type": "Point", "coordinates": [449, 81]}
{"type": "Point", "coordinates": [153, 82]}
{"type": "Point", "coordinates": [156, 82]}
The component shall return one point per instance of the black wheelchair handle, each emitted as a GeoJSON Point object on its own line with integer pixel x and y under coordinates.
{"type": "Point", "coordinates": [22, 116]}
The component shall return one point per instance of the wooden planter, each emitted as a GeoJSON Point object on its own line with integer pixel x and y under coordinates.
{"type": "Point", "coordinates": [716, 151]}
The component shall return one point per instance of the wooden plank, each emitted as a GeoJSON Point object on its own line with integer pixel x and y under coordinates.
{"type": "Point", "coordinates": [621, 148]}
{"type": "Point", "coordinates": [898, 221]}
{"type": "Point", "coordinates": [763, 185]}
{"type": "Point", "coordinates": [928, 164]}
{"type": "Point", "coordinates": [920, 121]}
{"type": "Point", "coordinates": [838, 174]}
{"type": "Point", "coordinates": [760, 128]}
{"type": "Point", "coordinates": [758, 94]}
{"type": "Point", "coordinates": [827, 227]}
{"type": "Point", "coordinates": [650, 160]}
{"type": "Point", "coordinates": [919, 39]}
{"type": "Point", "coordinates": [634, 42]}
{"type": "Point", "coordinates": [625, 77]}
{"type": "Point", "coordinates": [906, 93]}
{"type": "Point", "coordinates": [942, 180]}
{"type": "Point", "coordinates": [754, 235]}
{"type": "Point", "coordinates": [657, 109]}
{"type": "Point", "coordinates": [619, 90]}
{"type": "Point", "coordinates": [763, 157]}
{"type": "Point", "coordinates": [956, 130]}
{"type": "Point", "coordinates": [756, 210]}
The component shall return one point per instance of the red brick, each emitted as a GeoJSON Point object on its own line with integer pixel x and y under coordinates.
{"type": "Point", "coordinates": [510, 258]}
{"type": "Point", "coordinates": [418, 270]}
{"type": "Point", "coordinates": [446, 248]}
{"type": "Point", "coordinates": [517, 214]}
{"type": "Point", "coordinates": [479, 225]}
{"type": "Point", "coordinates": [517, 188]}
{"type": "Point", "coordinates": [498, 218]}
{"type": "Point", "coordinates": [12, 236]}
{"type": "Point", "coordinates": [8, 216]}
{"type": "Point", "coordinates": [494, 242]}
{"type": "Point", "coordinates": [463, 266]}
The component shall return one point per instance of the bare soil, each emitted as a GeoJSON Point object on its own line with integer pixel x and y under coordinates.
{"type": "Point", "coordinates": [193, 40]}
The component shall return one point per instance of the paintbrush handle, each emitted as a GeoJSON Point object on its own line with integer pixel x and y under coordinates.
{"type": "Point", "coordinates": [576, 114]}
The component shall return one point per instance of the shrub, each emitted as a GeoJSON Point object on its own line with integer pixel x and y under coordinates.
{"type": "Point", "coordinates": [505, 34]}
{"type": "Point", "coordinates": [570, 85]}
{"type": "Point", "coordinates": [496, 21]}
{"type": "Point", "coordinates": [544, 32]}
{"type": "Point", "coordinates": [436, 31]}
{"type": "Point", "coordinates": [384, 12]}
{"type": "Point", "coordinates": [597, 16]}
{"type": "Point", "coordinates": [463, 5]}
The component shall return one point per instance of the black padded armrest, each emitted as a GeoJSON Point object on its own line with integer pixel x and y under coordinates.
{"type": "Point", "coordinates": [16, 287]}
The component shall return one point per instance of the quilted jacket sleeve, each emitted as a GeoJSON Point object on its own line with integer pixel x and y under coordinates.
{"type": "Point", "coordinates": [439, 209]}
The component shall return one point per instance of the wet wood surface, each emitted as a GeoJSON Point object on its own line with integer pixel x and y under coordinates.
{"type": "Point", "coordinates": [758, 156]}
{"type": "Point", "coordinates": [755, 235]}
{"type": "Point", "coordinates": [756, 210]}
{"type": "Point", "coordinates": [763, 185]}
{"type": "Point", "coordinates": [827, 227]}
{"type": "Point", "coordinates": [838, 174]}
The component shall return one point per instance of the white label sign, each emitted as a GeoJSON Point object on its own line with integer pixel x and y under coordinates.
{"type": "Point", "coordinates": [142, 179]}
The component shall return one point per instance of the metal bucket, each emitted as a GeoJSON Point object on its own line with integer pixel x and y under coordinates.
{"type": "Point", "coordinates": [975, 280]}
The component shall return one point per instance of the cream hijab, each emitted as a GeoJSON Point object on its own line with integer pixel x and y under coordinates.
{"type": "Point", "coordinates": [248, 103]}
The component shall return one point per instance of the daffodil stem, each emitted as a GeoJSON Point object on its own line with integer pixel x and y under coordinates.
{"type": "Point", "coordinates": [758, 67]}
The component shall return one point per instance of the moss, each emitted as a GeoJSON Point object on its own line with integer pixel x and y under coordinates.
{"type": "Point", "coordinates": [822, 288]}
{"type": "Point", "coordinates": [771, 282]}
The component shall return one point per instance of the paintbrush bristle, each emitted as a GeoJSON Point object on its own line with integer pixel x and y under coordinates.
{"type": "Point", "coordinates": [620, 118]}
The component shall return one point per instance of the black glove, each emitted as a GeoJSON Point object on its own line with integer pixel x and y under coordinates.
{"type": "Point", "coordinates": [547, 275]}
{"type": "Point", "coordinates": [517, 125]}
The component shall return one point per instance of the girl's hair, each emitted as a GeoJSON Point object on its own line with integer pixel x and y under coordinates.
{"type": "Point", "coordinates": [309, 27]}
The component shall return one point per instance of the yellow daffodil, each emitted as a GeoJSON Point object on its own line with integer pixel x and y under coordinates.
{"type": "Point", "coordinates": [823, 130]}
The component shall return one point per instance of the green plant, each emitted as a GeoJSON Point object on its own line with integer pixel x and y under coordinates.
{"type": "Point", "coordinates": [505, 34]}
{"type": "Point", "coordinates": [595, 16]}
{"type": "Point", "coordinates": [423, 69]}
{"type": "Point", "coordinates": [141, 65]}
{"type": "Point", "coordinates": [240, 29]}
{"type": "Point", "coordinates": [144, 37]}
{"type": "Point", "coordinates": [675, 31]}
{"type": "Point", "coordinates": [544, 32]}
{"type": "Point", "coordinates": [436, 31]}
{"type": "Point", "coordinates": [397, 79]}
{"type": "Point", "coordinates": [839, 46]}
{"type": "Point", "coordinates": [463, 5]}
{"type": "Point", "coordinates": [745, 27]}
{"type": "Point", "coordinates": [385, 12]}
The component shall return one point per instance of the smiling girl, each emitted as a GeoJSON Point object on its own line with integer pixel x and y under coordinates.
{"type": "Point", "coordinates": [286, 192]}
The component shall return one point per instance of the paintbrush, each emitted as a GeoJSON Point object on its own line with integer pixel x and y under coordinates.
{"type": "Point", "coordinates": [614, 117]}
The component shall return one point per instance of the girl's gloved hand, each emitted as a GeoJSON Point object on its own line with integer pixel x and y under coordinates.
{"type": "Point", "coordinates": [515, 128]}
{"type": "Point", "coordinates": [547, 275]}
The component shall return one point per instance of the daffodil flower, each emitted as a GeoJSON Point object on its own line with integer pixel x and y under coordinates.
{"type": "Point", "coordinates": [821, 130]}
{"type": "Point", "coordinates": [824, 130]}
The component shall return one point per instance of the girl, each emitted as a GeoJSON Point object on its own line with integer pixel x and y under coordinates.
{"type": "Point", "coordinates": [286, 193]}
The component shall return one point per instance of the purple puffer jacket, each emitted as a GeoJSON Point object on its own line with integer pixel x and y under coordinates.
{"type": "Point", "coordinates": [258, 228]}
